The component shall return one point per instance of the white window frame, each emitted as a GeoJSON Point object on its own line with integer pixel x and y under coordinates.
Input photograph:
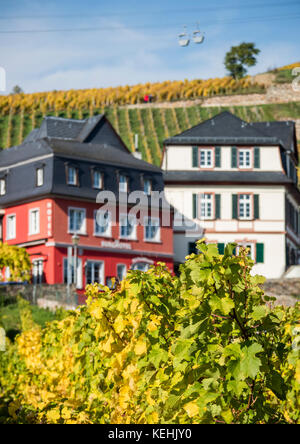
{"type": "Point", "coordinates": [251, 245]}
{"type": "Point", "coordinates": [2, 186]}
{"type": "Point", "coordinates": [31, 229]}
{"type": "Point", "coordinates": [243, 202]}
{"type": "Point", "coordinates": [91, 261]}
{"type": "Point", "coordinates": [83, 226]}
{"type": "Point", "coordinates": [206, 202]}
{"type": "Point", "coordinates": [8, 228]}
{"type": "Point", "coordinates": [243, 164]}
{"type": "Point", "coordinates": [204, 163]}
{"type": "Point", "coordinates": [107, 233]}
{"type": "Point", "coordinates": [99, 174]}
{"type": "Point", "coordinates": [132, 235]}
{"type": "Point", "coordinates": [144, 266]}
{"type": "Point", "coordinates": [124, 271]}
{"type": "Point", "coordinates": [123, 185]}
{"type": "Point", "coordinates": [40, 176]}
{"type": "Point", "coordinates": [148, 190]}
{"type": "Point", "coordinates": [72, 182]}
{"type": "Point", "coordinates": [156, 221]}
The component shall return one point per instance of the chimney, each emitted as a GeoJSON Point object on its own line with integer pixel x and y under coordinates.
{"type": "Point", "coordinates": [136, 152]}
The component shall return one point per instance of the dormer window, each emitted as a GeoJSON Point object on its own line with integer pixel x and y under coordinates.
{"type": "Point", "coordinates": [2, 187]}
{"type": "Point", "coordinates": [206, 158]}
{"type": "Point", "coordinates": [72, 176]}
{"type": "Point", "coordinates": [39, 177]}
{"type": "Point", "coordinates": [123, 183]}
{"type": "Point", "coordinates": [245, 160]}
{"type": "Point", "coordinates": [97, 179]}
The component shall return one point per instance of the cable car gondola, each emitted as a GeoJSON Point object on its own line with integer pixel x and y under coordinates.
{"type": "Point", "coordinates": [183, 38]}
{"type": "Point", "coordinates": [198, 36]}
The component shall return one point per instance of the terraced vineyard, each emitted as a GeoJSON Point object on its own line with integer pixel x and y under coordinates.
{"type": "Point", "coordinates": [153, 125]}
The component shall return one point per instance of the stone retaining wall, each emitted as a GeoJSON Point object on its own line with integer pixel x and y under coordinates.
{"type": "Point", "coordinates": [46, 296]}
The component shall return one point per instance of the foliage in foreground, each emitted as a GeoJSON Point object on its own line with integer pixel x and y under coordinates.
{"type": "Point", "coordinates": [203, 348]}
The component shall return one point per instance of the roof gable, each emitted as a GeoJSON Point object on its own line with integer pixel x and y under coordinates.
{"type": "Point", "coordinates": [226, 128]}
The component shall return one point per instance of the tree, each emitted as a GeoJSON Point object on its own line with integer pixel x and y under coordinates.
{"type": "Point", "coordinates": [17, 90]}
{"type": "Point", "coordinates": [18, 261]}
{"type": "Point", "coordinates": [240, 56]}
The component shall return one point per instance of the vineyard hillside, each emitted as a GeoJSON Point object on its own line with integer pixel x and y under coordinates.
{"type": "Point", "coordinates": [175, 106]}
{"type": "Point", "coordinates": [152, 124]}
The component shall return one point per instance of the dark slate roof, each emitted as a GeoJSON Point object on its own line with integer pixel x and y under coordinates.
{"type": "Point", "coordinates": [91, 139]}
{"type": "Point", "coordinates": [67, 129]}
{"type": "Point", "coordinates": [283, 131]}
{"type": "Point", "coordinates": [228, 129]}
{"type": "Point", "coordinates": [216, 177]}
{"type": "Point", "coordinates": [101, 153]}
{"type": "Point", "coordinates": [88, 144]}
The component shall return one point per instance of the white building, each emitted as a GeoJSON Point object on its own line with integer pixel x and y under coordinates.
{"type": "Point", "coordinates": [237, 182]}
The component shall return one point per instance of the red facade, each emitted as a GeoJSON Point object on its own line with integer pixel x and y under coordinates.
{"type": "Point", "coordinates": [48, 247]}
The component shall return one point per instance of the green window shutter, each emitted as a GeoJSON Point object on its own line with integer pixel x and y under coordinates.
{"type": "Point", "coordinates": [259, 253]}
{"type": "Point", "coordinates": [195, 206]}
{"type": "Point", "coordinates": [233, 157]}
{"type": "Point", "coordinates": [234, 206]}
{"type": "Point", "coordinates": [217, 206]}
{"type": "Point", "coordinates": [195, 160]}
{"type": "Point", "coordinates": [256, 157]}
{"type": "Point", "coordinates": [221, 248]}
{"type": "Point", "coordinates": [218, 156]}
{"type": "Point", "coordinates": [256, 206]}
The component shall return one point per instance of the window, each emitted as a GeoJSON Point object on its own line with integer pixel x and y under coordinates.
{"type": "Point", "coordinates": [39, 177]}
{"type": "Point", "coordinates": [206, 206]}
{"type": "Point", "coordinates": [2, 187]}
{"type": "Point", "coordinates": [11, 226]}
{"type": "Point", "coordinates": [72, 176]}
{"type": "Point", "coordinates": [141, 266]}
{"type": "Point", "coordinates": [206, 158]}
{"type": "Point", "coordinates": [94, 272]}
{"type": "Point", "coordinates": [147, 186]}
{"type": "Point", "coordinates": [121, 271]}
{"type": "Point", "coordinates": [68, 274]}
{"type": "Point", "coordinates": [250, 247]}
{"type": "Point", "coordinates": [77, 221]}
{"type": "Point", "coordinates": [151, 229]}
{"type": "Point", "coordinates": [123, 183]}
{"type": "Point", "coordinates": [245, 158]}
{"type": "Point", "coordinates": [97, 179]}
{"type": "Point", "coordinates": [245, 207]}
{"type": "Point", "coordinates": [37, 271]}
{"type": "Point", "coordinates": [34, 221]}
{"type": "Point", "coordinates": [127, 226]}
{"type": "Point", "coordinates": [102, 223]}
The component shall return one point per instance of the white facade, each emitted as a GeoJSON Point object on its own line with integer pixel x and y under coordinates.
{"type": "Point", "coordinates": [261, 214]}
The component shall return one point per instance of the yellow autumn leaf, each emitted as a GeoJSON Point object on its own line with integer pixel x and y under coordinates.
{"type": "Point", "coordinates": [133, 306]}
{"type": "Point", "coordinates": [192, 409]}
{"type": "Point", "coordinates": [107, 345]}
{"type": "Point", "coordinates": [119, 324]}
{"type": "Point", "coordinates": [140, 347]}
{"type": "Point", "coordinates": [53, 416]}
{"type": "Point", "coordinates": [66, 413]}
{"type": "Point", "coordinates": [96, 312]}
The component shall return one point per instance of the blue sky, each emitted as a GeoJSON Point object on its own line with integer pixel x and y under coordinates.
{"type": "Point", "coordinates": [136, 41]}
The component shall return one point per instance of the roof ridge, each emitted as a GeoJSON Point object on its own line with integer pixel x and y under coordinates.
{"type": "Point", "coordinates": [65, 119]}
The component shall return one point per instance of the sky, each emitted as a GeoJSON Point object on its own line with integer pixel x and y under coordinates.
{"type": "Point", "coordinates": [71, 44]}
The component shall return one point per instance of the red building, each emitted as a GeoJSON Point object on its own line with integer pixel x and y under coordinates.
{"type": "Point", "coordinates": [48, 190]}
